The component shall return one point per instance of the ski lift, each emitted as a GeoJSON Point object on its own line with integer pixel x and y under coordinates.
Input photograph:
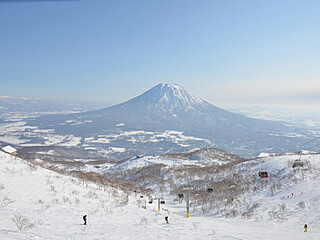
{"type": "Point", "coordinates": [263, 174]}
{"type": "Point", "coordinates": [150, 201]}
{"type": "Point", "coordinates": [210, 190]}
{"type": "Point", "coordinates": [141, 196]}
{"type": "Point", "coordinates": [162, 202]}
{"type": "Point", "coordinates": [297, 163]}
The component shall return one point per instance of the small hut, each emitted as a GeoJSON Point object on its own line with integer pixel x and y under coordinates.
{"type": "Point", "coordinates": [10, 150]}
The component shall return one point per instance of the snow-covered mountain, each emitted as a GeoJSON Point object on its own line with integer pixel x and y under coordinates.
{"type": "Point", "coordinates": [167, 98]}
{"type": "Point", "coordinates": [37, 203]}
{"type": "Point", "coordinates": [168, 118]}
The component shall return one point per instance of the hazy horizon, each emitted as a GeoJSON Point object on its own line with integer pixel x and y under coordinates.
{"type": "Point", "coordinates": [307, 115]}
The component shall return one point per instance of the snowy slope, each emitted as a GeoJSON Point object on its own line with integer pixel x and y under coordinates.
{"type": "Point", "coordinates": [55, 204]}
{"type": "Point", "coordinates": [138, 162]}
{"type": "Point", "coordinates": [199, 158]}
{"type": "Point", "coordinates": [167, 97]}
{"type": "Point", "coordinates": [292, 196]}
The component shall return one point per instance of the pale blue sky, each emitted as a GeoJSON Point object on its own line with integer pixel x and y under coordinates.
{"type": "Point", "coordinates": [221, 50]}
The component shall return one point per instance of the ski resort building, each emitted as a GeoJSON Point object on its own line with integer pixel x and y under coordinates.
{"type": "Point", "coordinates": [10, 150]}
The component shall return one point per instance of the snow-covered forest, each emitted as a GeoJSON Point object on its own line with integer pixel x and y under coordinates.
{"type": "Point", "coordinates": [41, 203]}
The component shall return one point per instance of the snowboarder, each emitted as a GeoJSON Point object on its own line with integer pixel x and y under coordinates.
{"type": "Point", "coordinates": [305, 227]}
{"type": "Point", "coordinates": [166, 219]}
{"type": "Point", "coordinates": [85, 219]}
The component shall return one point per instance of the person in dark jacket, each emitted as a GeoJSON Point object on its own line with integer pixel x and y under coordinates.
{"type": "Point", "coordinates": [85, 219]}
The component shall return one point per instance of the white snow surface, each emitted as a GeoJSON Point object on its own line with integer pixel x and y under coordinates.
{"type": "Point", "coordinates": [139, 162]}
{"type": "Point", "coordinates": [55, 204]}
{"type": "Point", "coordinates": [168, 97]}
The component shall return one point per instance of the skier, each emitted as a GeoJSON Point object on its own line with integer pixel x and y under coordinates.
{"type": "Point", "coordinates": [167, 219]}
{"type": "Point", "coordinates": [85, 219]}
{"type": "Point", "coordinates": [305, 227]}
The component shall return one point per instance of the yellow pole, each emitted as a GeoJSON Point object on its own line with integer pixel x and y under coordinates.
{"type": "Point", "coordinates": [187, 200]}
{"type": "Point", "coordinates": [159, 204]}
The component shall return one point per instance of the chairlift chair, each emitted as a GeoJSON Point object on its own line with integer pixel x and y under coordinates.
{"type": "Point", "coordinates": [210, 190]}
{"type": "Point", "coordinates": [263, 174]}
{"type": "Point", "coordinates": [297, 163]}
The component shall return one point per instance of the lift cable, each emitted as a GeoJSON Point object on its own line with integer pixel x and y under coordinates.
{"type": "Point", "coordinates": [313, 147]}
{"type": "Point", "coordinates": [304, 144]}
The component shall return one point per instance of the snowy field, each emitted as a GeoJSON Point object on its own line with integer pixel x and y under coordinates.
{"type": "Point", "coordinates": [37, 203]}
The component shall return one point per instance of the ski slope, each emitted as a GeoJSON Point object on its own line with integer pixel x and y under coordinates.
{"type": "Point", "coordinates": [54, 205]}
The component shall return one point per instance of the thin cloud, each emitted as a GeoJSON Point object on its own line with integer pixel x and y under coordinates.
{"type": "Point", "coordinates": [266, 91]}
{"type": "Point", "coordinates": [5, 97]}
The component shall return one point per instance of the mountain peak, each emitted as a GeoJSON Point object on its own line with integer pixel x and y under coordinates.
{"type": "Point", "coordinates": [169, 96]}
{"type": "Point", "coordinates": [170, 85]}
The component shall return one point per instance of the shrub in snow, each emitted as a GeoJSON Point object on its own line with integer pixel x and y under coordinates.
{"type": "Point", "coordinates": [75, 192]}
{"type": "Point", "coordinates": [22, 223]}
{"type": "Point", "coordinates": [45, 207]}
{"type": "Point", "coordinates": [143, 220]}
{"type": "Point", "coordinates": [283, 207]}
{"type": "Point", "coordinates": [275, 187]}
{"type": "Point", "coordinates": [91, 194]}
{"type": "Point", "coordinates": [77, 200]}
{"type": "Point", "coordinates": [122, 200]}
{"type": "Point", "coordinates": [250, 210]}
{"type": "Point", "coordinates": [232, 213]}
{"type": "Point", "coordinates": [31, 166]}
{"type": "Point", "coordinates": [52, 188]}
{"type": "Point", "coordinates": [65, 200]}
{"type": "Point", "coordinates": [302, 204]}
{"type": "Point", "coordinates": [5, 201]}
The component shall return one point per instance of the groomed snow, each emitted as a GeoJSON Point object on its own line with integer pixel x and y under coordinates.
{"type": "Point", "coordinates": [139, 162]}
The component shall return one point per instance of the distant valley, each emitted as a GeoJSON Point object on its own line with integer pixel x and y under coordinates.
{"type": "Point", "coordinates": [165, 119]}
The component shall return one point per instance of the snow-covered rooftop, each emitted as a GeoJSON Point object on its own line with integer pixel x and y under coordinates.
{"type": "Point", "coordinates": [9, 149]}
